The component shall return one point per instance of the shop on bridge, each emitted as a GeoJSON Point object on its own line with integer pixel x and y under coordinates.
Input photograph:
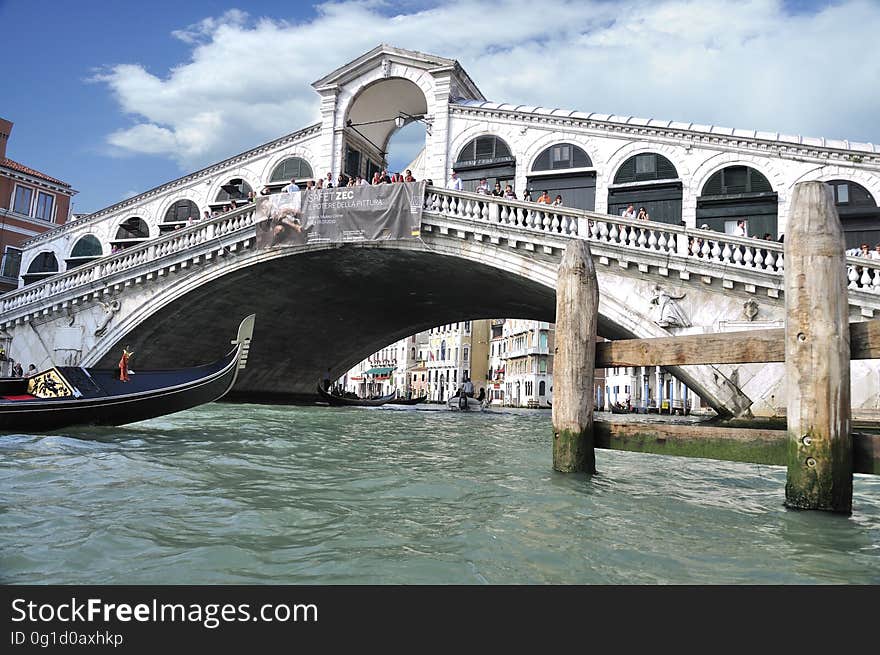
{"type": "Point", "coordinates": [739, 193]}
{"type": "Point", "coordinates": [486, 157]}
{"type": "Point", "coordinates": [565, 170]}
{"type": "Point", "coordinates": [647, 180]}
{"type": "Point", "coordinates": [858, 213]}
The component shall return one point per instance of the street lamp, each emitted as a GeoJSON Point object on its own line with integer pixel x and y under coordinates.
{"type": "Point", "coordinates": [403, 118]}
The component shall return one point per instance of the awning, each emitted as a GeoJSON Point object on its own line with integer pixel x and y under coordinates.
{"type": "Point", "coordinates": [381, 370]}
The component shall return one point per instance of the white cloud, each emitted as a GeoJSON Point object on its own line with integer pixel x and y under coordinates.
{"type": "Point", "coordinates": [727, 62]}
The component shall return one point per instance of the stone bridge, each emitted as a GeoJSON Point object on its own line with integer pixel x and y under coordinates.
{"type": "Point", "coordinates": [177, 300]}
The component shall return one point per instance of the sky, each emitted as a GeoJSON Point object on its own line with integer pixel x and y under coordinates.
{"type": "Point", "coordinates": [119, 97]}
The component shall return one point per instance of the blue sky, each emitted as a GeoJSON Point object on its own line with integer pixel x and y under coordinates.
{"type": "Point", "coordinates": [118, 97]}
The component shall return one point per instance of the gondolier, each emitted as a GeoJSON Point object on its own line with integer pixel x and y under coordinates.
{"type": "Point", "coordinates": [123, 364]}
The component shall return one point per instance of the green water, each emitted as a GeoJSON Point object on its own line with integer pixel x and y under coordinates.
{"type": "Point", "coordinates": [252, 494]}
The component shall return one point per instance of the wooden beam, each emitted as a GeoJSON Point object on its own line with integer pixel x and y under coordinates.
{"type": "Point", "coordinates": [723, 348]}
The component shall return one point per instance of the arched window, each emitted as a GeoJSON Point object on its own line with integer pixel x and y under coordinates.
{"type": "Point", "coordinates": [234, 189]}
{"type": "Point", "coordinates": [483, 151]}
{"type": "Point", "coordinates": [45, 262]}
{"type": "Point", "coordinates": [647, 180]}
{"type": "Point", "coordinates": [87, 249]}
{"type": "Point", "coordinates": [43, 265]}
{"type": "Point", "coordinates": [858, 213]}
{"type": "Point", "coordinates": [485, 157]}
{"type": "Point", "coordinates": [736, 179]}
{"type": "Point", "coordinates": [738, 193]}
{"type": "Point", "coordinates": [552, 172]}
{"type": "Point", "coordinates": [644, 167]}
{"type": "Point", "coordinates": [88, 246]}
{"type": "Point", "coordinates": [562, 156]}
{"type": "Point", "coordinates": [133, 228]}
{"type": "Point", "coordinates": [181, 211]}
{"type": "Point", "coordinates": [850, 194]}
{"type": "Point", "coordinates": [291, 168]}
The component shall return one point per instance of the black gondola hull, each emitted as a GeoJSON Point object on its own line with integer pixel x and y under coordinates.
{"type": "Point", "coordinates": [339, 401]}
{"type": "Point", "coordinates": [105, 400]}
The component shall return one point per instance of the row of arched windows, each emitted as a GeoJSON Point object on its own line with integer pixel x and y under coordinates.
{"type": "Point", "coordinates": [647, 180]}
{"type": "Point", "coordinates": [651, 181]}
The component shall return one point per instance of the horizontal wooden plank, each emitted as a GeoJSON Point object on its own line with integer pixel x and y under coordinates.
{"type": "Point", "coordinates": [723, 348]}
{"type": "Point", "coordinates": [758, 446]}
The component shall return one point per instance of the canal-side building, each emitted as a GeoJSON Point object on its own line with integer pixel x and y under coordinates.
{"type": "Point", "coordinates": [528, 363]}
{"type": "Point", "coordinates": [495, 374]}
{"type": "Point", "coordinates": [32, 203]}
{"type": "Point", "coordinates": [647, 388]}
{"type": "Point", "coordinates": [457, 351]}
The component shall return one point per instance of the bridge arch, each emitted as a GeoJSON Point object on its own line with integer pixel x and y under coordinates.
{"type": "Point", "coordinates": [607, 172]}
{"type": "Point", "coordinates": [334, 286]}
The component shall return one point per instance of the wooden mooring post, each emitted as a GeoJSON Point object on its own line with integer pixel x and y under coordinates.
{"type": "Point", "coordinates": [577, 315]}
{"type": "Point", "coordinates": [817, 355]}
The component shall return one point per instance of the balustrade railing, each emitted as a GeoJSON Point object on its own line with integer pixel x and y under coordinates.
{"type": "Point", "coordinates": [668, 241]}
{"type": "Point", "coordinates": [179, 241]}
{"type": "Point", "coordinates": [750, 254]}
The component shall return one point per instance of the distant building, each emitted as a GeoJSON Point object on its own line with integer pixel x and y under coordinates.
{"type": "Point", "coordinates": [457, 351]}
{"type": "Point", "coordinates": [647, 388]}
{"type": "Point", "coordinates": [495, 376]}
{"type": "Point", "coordinates": [31, 203]}
{"type": "Point", "coordinates": [528, 363]}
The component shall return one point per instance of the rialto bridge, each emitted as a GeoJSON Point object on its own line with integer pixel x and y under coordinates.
{"type": "Point", "coordinates": [175, 291]}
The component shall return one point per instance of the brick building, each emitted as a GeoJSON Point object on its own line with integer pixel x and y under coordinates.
{"type": "Point", "coordinates": [31, 203]}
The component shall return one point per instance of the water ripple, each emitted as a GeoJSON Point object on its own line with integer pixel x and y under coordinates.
{"type": "Point", "coordinates": [251, 494]}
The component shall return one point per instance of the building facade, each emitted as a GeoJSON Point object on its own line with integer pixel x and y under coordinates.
{"type": "Point", "coordinates": [528, 363]}
{"type": "Point", "coordinates": [32, 203]}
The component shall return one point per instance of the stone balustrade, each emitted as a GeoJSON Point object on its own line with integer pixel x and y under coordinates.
{"type": "Point", "coordinates": [660, 241]}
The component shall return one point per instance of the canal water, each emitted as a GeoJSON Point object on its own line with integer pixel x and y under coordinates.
{"type": "Point", "coordinates": [252, 494]}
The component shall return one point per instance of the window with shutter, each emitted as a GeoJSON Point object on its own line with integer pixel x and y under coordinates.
{"type": "Point", "coordinates": [181, 211]}
{"type": "Point", "coordinates": [851, 194]}
{"type": "Point", "coordinates": [645, 167]}
{"type": "Point", "coordinates": [560, 157]}
{"type": "Point", "coordinates": [291, 168]}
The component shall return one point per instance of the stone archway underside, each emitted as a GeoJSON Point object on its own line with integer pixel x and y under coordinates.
{"type": "Point", "coordinates": [329, 308]}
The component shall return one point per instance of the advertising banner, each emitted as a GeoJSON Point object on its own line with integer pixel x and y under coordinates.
{"type": "Point", "coordinates": [341, 215]}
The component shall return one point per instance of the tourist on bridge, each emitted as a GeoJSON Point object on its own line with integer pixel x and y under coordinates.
{"type": "Point", "coordinates": [527, 195]}
{"type": "Point", "coordinates": [31, 372]}
{"type": "Point", "coordinates": [17, 370]}
{"type": "Point", "coordinates": [497, 192]}
{"type": "Point", "coordinates": [328, 181]}
{"type": "Point", "coordinates": [557, 201]}
{"type": "Point", "coordinates": [740, 229]}
{"type": "Point", "coordinates": [454, 182]}
{"type": "Point", "coordinates": [544, 199]}
{"type": "Point", "coordinates": [643, 215]}
{"type": "Point", "coordinates": [629, 212]}
{"type": "Point", "coordinates": [483, 187]}
{"type": "Point", "coordinates": [875, 254]}
{"type": "Point", "coordinates": [508, 193]}
{"type": "Point", "coordinates": [409, 176]}
{"type": "Point", "coordinates": [290, 188]}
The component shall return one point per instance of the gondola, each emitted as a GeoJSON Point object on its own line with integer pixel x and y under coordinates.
{"type": "Point", "coordinates": [408, 401]}
{"type": "Point", "coordinates": [615, 409]}
{"type": "Point", "coordinates": [342, 401]}
{"type": "Point", "coordinates": [65, 396]}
